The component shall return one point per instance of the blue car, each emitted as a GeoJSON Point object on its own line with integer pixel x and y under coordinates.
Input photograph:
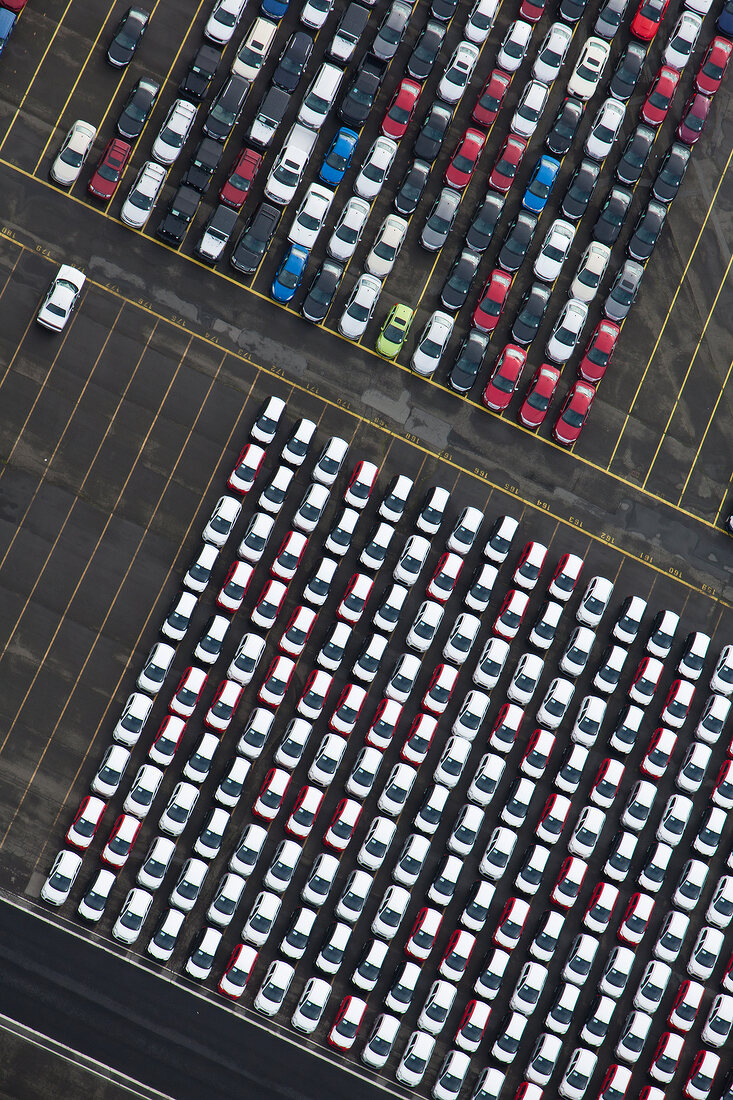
{"type": "Point", "coordinates": [540, 185]}
{"type": "Point", "coordinates": [725, 19]}
{"type": "Point", "coordinates": [290, 273]}
{"type": "Point", "coordinates": [338, 157]}
{"type": "Point", "coordinates": [275, 9]}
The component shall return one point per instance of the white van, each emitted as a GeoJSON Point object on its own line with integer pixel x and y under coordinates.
{"type": "Point", "coordinates": [321, 96]}
{"type": "Point", "coordinates": [252, 53]}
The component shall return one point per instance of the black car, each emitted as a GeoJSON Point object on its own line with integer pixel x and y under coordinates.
{"type": "Point", "coordinates": [320, 294]}
{"type": "Point", "coordinates": [226, 108]}
{"type": "Point", "coordinates": [181, 211]}
{"type": "Point", "coordinates": [671, 172]}
{"type": "Point", "coordinates": [204, 163]}
{"type": "Point", "coordinates": [254, 239]}
{"type": "Point", "coordinates": [137, 108]}
{"type": "Point", "coordinates": [516, 242]}
{"type": "Point", "coordinates": [572, 10]}
{"type": "Point", "coordinates": [628, 71]}
{"type": "Point", "coordinates": [564, 127]}
{"type": "Point", "coordinates": [127, 37]}
{"type": "Point", "coordinates": [293, 61]}
{"type": "Point", "coordinates": [444, 9]}
{"type": "Point", "coordinates": [359, 99]}
{"type": "Point", "coordinates": [201, 72]}
{"type": "Point", "coordinates": [635, 154]}
{"type": "Point", "coordinates": [426, 50]}
{"type": "Point", "coordinates": [484, 221]}
{"type": "Point", "coordinates": [580, 189]}
{"type": "Point", "coordinates": [468, 362]}
{"type": "Point", "coordinates": [530, 313]}
{"type": "Point", "coordinates": [432, 132]}
{"type": "Point", "coordinates": [646, 231]}
{"type": "Point", "coordinates": [460, 277]}
{"type": "Point", "coordinates": [611, 218]}
{"type": "Point", "coordinates": [410, 190]}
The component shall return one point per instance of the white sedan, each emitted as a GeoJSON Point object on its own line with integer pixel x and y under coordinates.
{"type": "Point", "coordinates": [374, 170]}
{"type": "Point", "coordinates": [70, 159]}
{"type": "Point", "coordinates": [590, 271]}
{"type": "Point", "coordinates": [386, 248]}
{"type": "Point", "coordinates": [143, 194]}
{"type": "Point", "coordinates": [61, 299]}
{"type": "Point", "coordinates": [566, 333]}
{"type": "Point", "coordinates": [360, 306]}
{"type": "Point", "coordinates": [554, 251]}
{"type": "Point", "coordinates": [589, 68]}
{"type": "Point", "coordinates": [605, 129]}
{"type": "Point", "coordinates": [349, 228]}
{"type": "Point", "coordinates": [432, 343]}
{"type": "Point", "coordinates": [311, 215]}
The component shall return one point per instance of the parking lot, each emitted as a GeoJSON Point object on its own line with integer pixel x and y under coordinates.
{"type": "Point", "coordinates": [118, 438]}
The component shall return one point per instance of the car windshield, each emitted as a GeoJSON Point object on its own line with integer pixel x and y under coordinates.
{"type": "Point", "coordinates": [137, 109]}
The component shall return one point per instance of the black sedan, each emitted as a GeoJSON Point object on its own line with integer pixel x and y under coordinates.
{"type": "Point", "coordinates": [255, 238]}
{"type": "Point", "coordinates": [634, 156]}
{"type": "Point", "coordinates": [646, 231]}
{"type": "Point", "coordinates": [127, 37]}
{"type": "Point", "coordinates": [426, 50]}
{"type": "Point", "coordinates": [484, 221]}
{"type": "Point", "coordinates": [410, 190]}
{"type": "Point", "coordinates": [628, 71]}
{"type": "Point", "coordinates": [611, 218]}
{"type": "Point", "coordinates": [359, 99]}
{"type": "Point", "coordinates": [671, 172]}
{"type": "Point", "coordinates": [293, 61]}
{"type": "Point", "coordinates": [468, 362]}
{"type": "Point", "coordinates": [530, 314]}
{"type": "Point", "coordinates": [564, 127]}
{"type": "Point", "coordinates": [320, 294]}
{"type": "Point", "coordinates": [460, 277]}
{"type": "Point", "coordinates": [580, 189]}
{"type": "Point", "coordinates": [137, 108]}
{"type": "Point", "coordinates": [517, 241]}
{"type": "Point", "coordinates": [432, 132]}
{"type": "Point", "coordinates": [572, 10]}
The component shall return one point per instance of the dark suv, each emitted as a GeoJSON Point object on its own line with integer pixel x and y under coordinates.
{"type": "Point", "coordinates": [181, 211]}
{"type": "Point", "coordinates": [226, 108]}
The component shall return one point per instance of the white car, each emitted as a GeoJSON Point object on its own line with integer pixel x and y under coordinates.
{"type": "Point", "coordinates": [589, 68]}
{"type": "Point", "coordinates": [720, 910]}
{"type": "Point", "coordinates": [327, 759]}
{"type": "Point", "coordinates": [174, 131]}
{"type": "Point", "coordinates": [312, 214]}
{"type": "Point", "coordinates": [132, 916]}
{"type": "Point", "coordinates": [376, 844]}
{"type": "Point", "coordinates": [626, 628]}
{"type": "Point", "coordinates": [480, 21]}
{"type": "Point", "coordinates": [691, 885]}
{"type": "Point", "coordinates": [222, 520]}
{"type": "Point", "coordinates": [70, 159]}
{"type": "Point", "coordinates": [360, 306]}
{"type": "Point", "coordinates": [349, 228]}
{"type": "Point", "coordinates": [310, 1007]}
{"type": "Point", "coordinates": [471, 715]}
{"type": "Point", "coordinates": [652, 986]}
{"type": "Point", "coordinates": [311, 508]}
{"type": "Point", "coordinates": [330, 461]}
{"type": "Point", "coordinates": [437, 1006]}
{"type": "Point", "coordinates": [180, 806]}
{"type": "Point", "coordinates": [425, 626]}
{"type": "Point", "coordinates": [375, 168]}
{"type": "Point", "coordinates": [555, 703]}
{"type": "Point", "coordinates": [386, 248]}
{"type": "Point", "coordinates": [578, 1073]}
{"type": "Point", "coordinates": [609, 672]}
{"type": "Point", "coordinates": [432, 511]}
{"type": "Point", "coordinates": [110, 771]}
{"type": "Point", "coordinates": [223, 20]}
{"type": "Point", "coordinates": [595, 601]}
{"type": "Point", "coordinates": [397, 789]}
{"type": "Point", "coordinates": [704, 955]}
{"type": "Point", "coordinates": [717, 1029]}
{"type": "Point", "coordinates": [552, 52]}
{"type": "Point", "coordinates": [693, 657]}
{"type": "Point", "coordinates": [201, 959]}
{"type": "Point", "coordinates": [261, 919]}
{"type": "Point", "coordinates": [526, 676]}
{"type": "Point", "coordinates": [415, 1058]}
{"type": "Point", "coordinates": [314, 13]}
{"type": "Point", "coordinates": [156, 863]}
{"type": "Point", "coordinates": [591, 270]}
{"type": "Point", "coordinates": [254, 543]}
{"type": "Point", "coordinates": [507, 1041]}
{"type": "Point", "coordinates": [367, 972]}
{"type": "Point", "coordinates": [458, 72]}
{"type": "Point", "coordinates": [713, 718]}
{"type": "Point", "coordinates": [274, 988]}
{"type": "Point", "coordinates": [61, 298]}
{"type": "Point", "coordinates": [92, 905]}
{"type": "Point", "coordinates": [571, 769]}
{"type": "Point", "coordinates": [390, 912]}
{"type": "Point", "coordinates": [605, 129]}
{"type": "Point", "coordinates": [178, 619]}
{"type": "Point", "coordinates": [532, 102]}
{"type": "Point", "coordinates": [61, 878]}
{"type": "Point", "coordinates": [295, 940]}
{"type": "Point", "coordinates": [587, 832]}
{"type": "Point", "coordinates": [134, 715]}
{"type": "Point", "coordinates": [514, 47]}
{"type": "Point", "coordinates": [491, 663]}
{"type": "Point", "coordinates": [554, 251]}
{"type": "Point", "coordinates": [682, 40]}
{"type": "Point", "coordinates": [379, 1047]}
{"type": "Point", "coordinates": [577, 651]}
{"type": "Point", "coordinates": [432, 343]}
{"type": "Point", "coordinates": [567, 331]}
{"type": "Point", "coordinates": [633, 1037]}
{"type": "Point", "coordinates": [721, 680]}
{"type": "Point", "coordinates": [143, 790]}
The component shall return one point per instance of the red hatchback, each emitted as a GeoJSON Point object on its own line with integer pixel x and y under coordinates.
{"type": "Point", "coordinates": [507, 163]}
{"type": "Point", "coordinates": [694, 118]}
{"type": "Point", "coordinates": [401, 109]}
{"type": "Point", "coordinates": [574, 413]}
{"type": "Point", "coordinates": [108, 172]}
{"type": "Point", "coordinates": [660, 96]}
{"type": "Point", "coordinates": [463, 163]}
{"type": "Point", "coordinates": [491, 98]}
{"type": "Point", "coordinates": [599, 351]}
{"type": "Point", "coordinates": [540, 393]}
{"type": "Point", "coordinates": [649, 15]}
{"type": "Point", "coordinates": [505, 377]}
{"type": "Point", "coordinates": [241, 178]}
{"type": "Point", "coordinates": [492, 301]}
{"type": "Point", "coordinates": [713, 66]}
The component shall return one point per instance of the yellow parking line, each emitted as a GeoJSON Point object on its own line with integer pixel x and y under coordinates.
{"type": "Point", "coordinates": [707, 429]}
{"type": "Point", "coordinates": [668, 314]}
{"type": "Point", "coordinates": [725, 497]}
{"type": "Point", "coordinates": [663, 436]}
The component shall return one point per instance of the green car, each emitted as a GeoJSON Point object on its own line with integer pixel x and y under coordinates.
{"type": "Point", "coordinates": [394, 331]}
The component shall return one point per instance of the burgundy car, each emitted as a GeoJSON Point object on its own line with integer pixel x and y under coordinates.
{"type": "Point", "coordinates": [505, 377]}
{"type": "Point", "coordinates": [401, 109]}
{"type": "Point", "coordinates": [492, 301]}
{"type": "Point", "coordinates": [599, 351]}
{"type": "Point", "coordinates": [540, 393]}
{"type": "Point", "coordinates": [241, 178]}
{"type": "Point", "coordinates": [464, 160]}
{"type": "Point", "coordinates": [108, 172]}
{"type": "Point", "coordinates": [693, 118]}
{"type": "Point", "coordinates": [532, 10]}
{"type": "Point", "coordinates": [507, 163]}
{"type": "Point", "coordinates": [574, 413]}
{"type": "Point", "coordinates": [491, 98]}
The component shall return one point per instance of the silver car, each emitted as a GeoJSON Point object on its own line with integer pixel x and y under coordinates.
{"type": "Point", "coordinates": [440, 220]}
{"type": "Point", "coordinates": [624, 290]}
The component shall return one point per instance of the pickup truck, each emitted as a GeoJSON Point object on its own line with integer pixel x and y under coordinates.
{"type": "Point", "coordinates": [287, 171]}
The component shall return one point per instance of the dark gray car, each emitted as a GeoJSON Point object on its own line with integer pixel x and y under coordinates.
{"type": "Point", "coordinates": [137, 108]}
{"type": "Point", "coordinates": [411, 188]}
{"type": "Point", "coordinates": [484, 221]}
{"type": "Point", "coordinates": [226, 108]}
{"type": "Point", "coordinates": [580, 189]}
{"type": "Point", "coordinates": [612, 215]}
{"type": "Point", "coordinates": [671, 172]}
{"type": "Point", "coordinates": [201, 72]}
{"type": "Point", "coordinates": [460, 277]}
{"type": "Point", "coordinates": [468, 362]}
{"type": "Point", "coordinates": [361, 93]}
{"type": "Point", "coordinates": [317, 301]}
{"type": "Point", "coordinates": [426, 50]}
{"type": "Point", "coordinates": [628, 71]}
{"type": "Point", "coordinates": [646, 231]}
{"type": "Point", "coordinates": [529, 316]}
{"type": "Point", "coordinates": [517, 242]}
{"type": "Point", "coordinates": [293, 61]}
{"type": "Point", "coordinates": [430, 137]}
{"type": "Point", "coordinates": [623, 292]}
{"type": "Point", "coordinates": [255, 238]}
{"type": "Point", "coordinates": [440, 220]}
{"type": "Point", "coordinates": [634, 156]}
{"type": "Point", "coordinates": [609, 18]}
{"type": "Point", "coordinates": [392, 30]}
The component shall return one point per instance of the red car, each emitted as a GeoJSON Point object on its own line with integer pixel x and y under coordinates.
{"type": "Point", "coordinates": [532, 10]}
{"type": "Point", "coordinates": [463, 163]}
{"type": "Point", "coordinates": [241, 178]}
{"type": "Point", "coordinates": [492, 301]}
{"type": "Point", "coordinates": [713, 66]}
{"type": "Point", "coordinates": [599, 351]}
{"type": "Point", "coordinates": [693, 118]}
{"type": "Point", "coordinates": [401, 109]}
{"type": "Point", "coordinates": [574, 413]}
{"type": "Point", "coordinates": [649, 15]}
{"type": "Point", "coordinates": [507, 163]}
{"type": "Point", "coordinates": [540, 393]}
{"type": "Point", "coordinates": [660, 95]}
{"type": "Point", "coordinates": [491, 98]}
{"type": "Point", "coordinates": [504, 377]}
{"type": "Point", "coordinates": [108, 172]}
